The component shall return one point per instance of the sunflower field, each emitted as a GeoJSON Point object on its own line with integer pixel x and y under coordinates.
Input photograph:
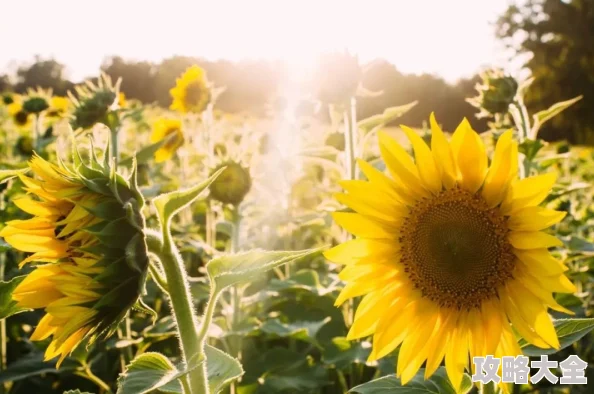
{"type": "Point", "coordinates": [187, 250]}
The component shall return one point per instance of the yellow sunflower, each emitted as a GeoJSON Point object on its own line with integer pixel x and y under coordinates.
{"type": "Point", "coordinates": [450, 253]}
{"type": "Point", "coordinates": [172, 130]}
{"type": "Point", "coordinates": [19, 116]}
{"type": "Point", "coordinates": [86, 237]}
{"type": "Point", "coordinates": [191, 92]}
{"type": "Point", "coordinates": [58, 106]}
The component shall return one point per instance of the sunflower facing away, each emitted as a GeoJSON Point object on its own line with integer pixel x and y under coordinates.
{"type": "Point", "coordinates": [86, 240]}
{"type": "Point", "coordinates": [172, 130]}
{"type": "Point", "coordinates": [191, 92]}
{"type": "Point", "coordinates": [450, 253]}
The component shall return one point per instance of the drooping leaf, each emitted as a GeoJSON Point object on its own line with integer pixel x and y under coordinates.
{"type": "Point", "coordinates": [231, 269]}
{"type": "Point", "coordinates": [543, 116]}
{"type": "Point", "coordinates": [569, 331]}
{"type": "Point", "coordinates": [438, 383]}
{"type": "Point", "coordinates": [169, 204]}
{"type": "Point", "coordinates": [148, 152]}
{"type": "Point", "coordinates": [389, 115]}
{"type": "Point", "coordinates": [302, 330]}
{"type": "Point", "coordinates": [151, 371]}
{"type": "Point", "coordinates": [8, 306]}
{"type": "Point", "coordinates": [222, 369]}
{"type": "Point", "coordinates": [33, 365]}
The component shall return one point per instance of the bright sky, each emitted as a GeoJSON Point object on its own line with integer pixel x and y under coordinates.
{"type": "Point", "coordinates": [452, 38]}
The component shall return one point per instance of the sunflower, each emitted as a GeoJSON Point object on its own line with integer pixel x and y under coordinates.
{"type": "Point", "coordinates": [191, 92]}
{"type": "Point", "coordinates": [87, 240]}
{"type": "Point", "coordinates": [172, 130]}
{"type": "Point", "coordinates": [58, 106]}
{"type": "Point", "coordinates": [450, 253]}
{"type": "Point", "coordinates": [19, 116]}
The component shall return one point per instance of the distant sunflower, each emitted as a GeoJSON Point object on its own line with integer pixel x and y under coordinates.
{"type": "Point", "coordinates": [191, 92]}
{"type": "Point", "coordinates": [19, 116]}
{"type": "Point", "coordinates": [172, 130]}
{"type": "Point", "coordinates": [450, 253]}
{"type": "Point", "coordinates": [58, 106]}
{"type": "Point", "coordinates": [86, 229]}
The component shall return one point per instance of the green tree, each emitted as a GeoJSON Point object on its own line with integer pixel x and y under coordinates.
{"type": "Point", "coordinates": [556, 36]}
{"type": "Point", "coordinates": [47, 74]}
{"type": "Point", "coordinates": [137, 77]}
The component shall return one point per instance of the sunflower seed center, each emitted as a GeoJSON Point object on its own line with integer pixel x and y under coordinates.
{"type": "Point", "coordinates": [455, 249]}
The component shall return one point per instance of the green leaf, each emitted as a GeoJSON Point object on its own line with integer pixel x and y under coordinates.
{"type": "Point", "coordinates": [151, 371]}
{"type": "Point", "coordinates": [4, 247]}
{"type": "Point", "coordinates": [8, 306]}
{"type": "Point", "coordinates": [171, 203]}
{"type": "Point", "coordinates": [341, 352]}
{"type": "Point", "coordinates": [231, 269]}
{"type": "Point", "coordinates": [438, 383]}
{"type": "Point", "coordinates": [77, 391]}
{"type": "Point", "coordinates": [302, 330]}
{"type": "Point", "coordinates": [33, 365]}
{"type": "Point", "coordinates": [147, 153]}
{"type": "Point", "coordinates": [386, 117]}
{"type": "Point", "coordinates": [543, 116]}
{"type": "Point", "coordinates": [6, 175]}
{"type": "Point", "coordinates": [569, 331]}
{"type": "Point", "coordinates": [577, 244]}
{"type": "Point", "coordinates": [222, 369]}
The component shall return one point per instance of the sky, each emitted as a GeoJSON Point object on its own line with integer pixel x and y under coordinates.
{"type": "Point", "coordinates": [450, 38]}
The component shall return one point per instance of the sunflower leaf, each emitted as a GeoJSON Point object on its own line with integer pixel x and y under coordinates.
{"type": "Point", "coordinates": [222, 369]}
{"type": "Point", "coordinates": [147, 153]}
{"type": "Point", "coordinates": [169, 204]}
{"type": "Point", "coordinates": [231, 269]}
{"type": "Point", "coordinates": [8, 306]}
{"type": "Point", "coordinates": [389, 115]}
{"type": "Point", "coordinates": [543, 116]}
{"type": "Point", "coordinates": [6, 175]}
{"type": "Point", "coordinates": [569, 331]}
{"type": "Point", "coordinates": [438, 383]}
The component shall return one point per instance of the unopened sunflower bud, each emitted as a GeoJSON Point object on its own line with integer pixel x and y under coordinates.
{"type": "Point", "coordinates": [87, 229]}
{"type": "Point", "coordinates": [24, 146]}
{"type": "Point", "coordinates": [496, 92]}
{"type": "Point", "coordinates": [35, 105]}
{"type": "Point", "coordinates": [94, 103]}
{"type": "Point", "coordinates": [232, 185]}
{"type": "Point", "coordinates": [7, 99]}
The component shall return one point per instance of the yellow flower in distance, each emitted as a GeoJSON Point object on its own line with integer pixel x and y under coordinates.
{"type": "Point", "coordinates": [87, 241]}
{"type": "Point", "coordinates": [191, 92]}
{"type": "Point", "coordinates": [170, 129]}
{"type": "Point", "coordinates": [58, 106]}
{"type": "Point", "coordinates": [450, 253]}
{"type": "Point", "coordinates": [19, 116]}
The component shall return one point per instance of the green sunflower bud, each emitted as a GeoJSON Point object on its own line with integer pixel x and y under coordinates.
{"type": "Point", "coordinates": [88, 230]}
{"type": "Point", "coordinates": [496, 92]}
{"type": "Point", "coordinates": [232, 185]}
{"type": "Point", "coordinates": [94, 103]}
{"type": "Point", "coordinates": [7, 99]}
{"type": "Point", "coordinates": [35, 105]}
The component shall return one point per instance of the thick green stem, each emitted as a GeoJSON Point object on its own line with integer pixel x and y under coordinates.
{"type": "Point", "coordinates": [185, 316]}
{"type": "Point", "coordinates": [236, 290]}
{"type": "Point", "coordinates": [36, 132]}
{"type": "Point", "coordinates": [2, 322]}
{"type": "Point", "coordinates": [522, 121]}
{"type": "Point", "coordinates": [489, 388]}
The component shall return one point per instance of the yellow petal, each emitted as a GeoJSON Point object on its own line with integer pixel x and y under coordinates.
{"type": "Point", "coordinates": [542, 293]}
{"type": "Point", "coordinates": [471, 157]}
{"type": "Point", "coordinates": [533, 240]}
{"type": "Point", "coordinates": [540, 261]}
{"type": "Point", "coordinates": [456, 357]}
{"type": "Point", "coordinates": [442, 154]}
{"type": "Point", "coordinates": [493, 320]}
{"type": "Point", "coordinates": [400, 164]}
{"type": "Point", "coordinates": [527, 192]}
{"type": "Point", "coordinates": [516, 318]}
{"type": "Point", "coordinates": [355, 249]}
{"type": "Point", "coordinates": [501, 171]}
{"type": "Point", "coordinates": [387, 185]}
{"type": "Point", "coordinates": [44, 329]}
{"type": "Point", "coordinates": [362, 226]}
{"type": "Point", "coordinates": [534, 219]}
{"type": "Point", "coordinates": [439, 341]}
{"type": "Point", "coordinates": [534, 313]}
{"type": "Point", "coordinates": [426, 167]}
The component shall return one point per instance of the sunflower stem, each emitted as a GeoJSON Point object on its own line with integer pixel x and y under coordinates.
{"type": "Point", "coordinates": [36, 133]}
{"type": "Point", "coordinates": [522, 121]}
{"type": "Point", "coordinates": [192, 343]}
{"type": "Point", "coordinates": [489, 388]}
{"type": "Point", "coordinates": [235, 290]}
{"type": "Point", "coordinates": [3, 321]}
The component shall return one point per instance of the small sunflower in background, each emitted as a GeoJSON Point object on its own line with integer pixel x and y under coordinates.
{"type": "Point", "coordinates": [451, 256]}
{"type": "Point", "coordinates": [94, 102]}
{"type": "Point", "coordinates": [20, 117]}
{"type": "Point", "coordinates": [170, 129]}
{"type": "Point", "coordinates": [86, 237]}
{"type": "Point", "coordinates": [192, 91]}
{"type": "Point", "coordinates": [232, 185]}
{"type": "Point", "coordinates": [58, 106]}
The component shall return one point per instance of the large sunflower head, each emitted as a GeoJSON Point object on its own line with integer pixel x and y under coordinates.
{"type": "Point", "coordinates": [451, 253]}
{"type": "Point", "coordinates": [192, 91]}
{"type": "Point", "coordinates": [170, 129]}
{"type": "Point", "coordinates": [86, 239]}
{"type": "Point", "coordinates": [94, 102]}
